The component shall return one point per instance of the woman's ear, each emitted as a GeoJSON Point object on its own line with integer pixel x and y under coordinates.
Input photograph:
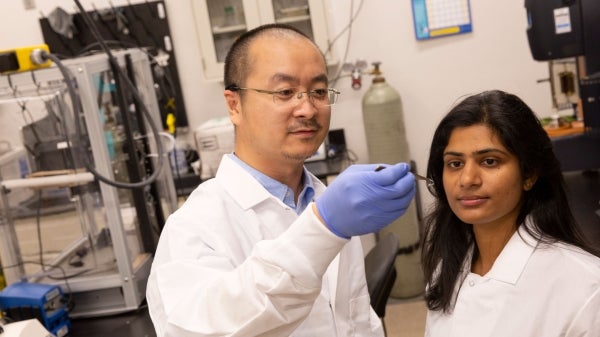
{"type": "Point", "coordinates": [529, 182]}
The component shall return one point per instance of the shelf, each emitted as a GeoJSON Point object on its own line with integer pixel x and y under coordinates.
{"type": "Point", "coordinates": [228, 29]}
{"type": "Point", "coordinates": [61, 180]}
{"type": "Point", "coordinates": [293, 19]}
{"type": "Point", "coordinates": [569, 129]}
{"type": "Point", "coordinates": [294, 11]}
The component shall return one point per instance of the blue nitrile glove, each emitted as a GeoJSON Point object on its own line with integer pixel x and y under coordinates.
{"type": "Point", "coordinates": [361, 200]}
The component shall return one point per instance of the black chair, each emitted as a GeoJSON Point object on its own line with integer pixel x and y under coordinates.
{"type": "Point", "coordinates": [380, 271]}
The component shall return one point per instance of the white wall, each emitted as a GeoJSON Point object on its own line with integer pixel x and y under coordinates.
{"type": "Point", "coordinates": [429, 75]}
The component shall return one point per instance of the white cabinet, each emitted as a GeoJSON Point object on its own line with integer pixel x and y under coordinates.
{"type": "Point", "coordinates": [220, 22]}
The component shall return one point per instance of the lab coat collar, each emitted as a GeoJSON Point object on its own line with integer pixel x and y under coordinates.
{"type": "Point", "coordinates": [244, 188]}
{"type": "Point", "coordinates": [240, 184]}
{"type": "Point", "coordinates": [511, 262]}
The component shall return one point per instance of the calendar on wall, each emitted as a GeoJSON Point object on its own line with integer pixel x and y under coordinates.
{"type": "Point", "coordinates": [436, 18]}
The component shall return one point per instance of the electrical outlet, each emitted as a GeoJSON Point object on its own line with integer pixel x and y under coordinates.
{"type": "Point", "coordinates": [29, 4]}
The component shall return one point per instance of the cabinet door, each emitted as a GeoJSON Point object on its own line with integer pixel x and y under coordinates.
{"type": "Point", "coordinates": [220, 22]}
{"type": "Point", "coordinates": [306, 15]}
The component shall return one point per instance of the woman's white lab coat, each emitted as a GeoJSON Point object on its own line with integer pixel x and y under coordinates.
{"type": "Point", "coordinates": [533, 290]}
{"type": "Point", "coordinates": [236, 261]}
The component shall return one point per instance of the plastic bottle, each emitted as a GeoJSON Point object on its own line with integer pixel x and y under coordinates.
{"type": "Point", "coordinates": [178, 161]}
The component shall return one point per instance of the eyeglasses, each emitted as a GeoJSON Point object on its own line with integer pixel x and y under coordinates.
{"type": "Point", "coordinates": [319, 97]}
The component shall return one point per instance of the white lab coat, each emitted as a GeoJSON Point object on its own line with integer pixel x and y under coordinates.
{"type": "Point", "coordinates": [236, 261]}
{"type": "Point", "coordinates": [532, 290]}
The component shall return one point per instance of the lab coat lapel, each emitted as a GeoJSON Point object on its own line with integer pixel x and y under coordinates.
{"type": "Point", "coordinates": [240, 184]}
{"type": "Point", "coordinates": [513, 259]}
{"type": "Point", "coordinates": [248, 193]}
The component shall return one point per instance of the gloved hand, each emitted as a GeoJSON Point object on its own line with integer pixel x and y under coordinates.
{"type": "Point", "coordinates": [361, 200]}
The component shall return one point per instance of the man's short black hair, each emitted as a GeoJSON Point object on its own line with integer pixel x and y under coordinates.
{"type": "Point", "coordinates": [237, 65]}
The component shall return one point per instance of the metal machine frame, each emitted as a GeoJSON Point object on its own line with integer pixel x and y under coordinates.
{"type": "Point", "coordinates": [124, 288]}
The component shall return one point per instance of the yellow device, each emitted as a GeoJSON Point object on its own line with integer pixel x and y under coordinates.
{"type": "Point", "coordinates": [23, 59]}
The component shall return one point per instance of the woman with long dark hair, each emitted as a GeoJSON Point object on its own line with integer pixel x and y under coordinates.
{"type": "Point", "coordinates": [502, 253]}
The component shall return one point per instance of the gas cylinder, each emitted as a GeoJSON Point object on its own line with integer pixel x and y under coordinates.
{"type": "Point", "coordinates": [385, 133]}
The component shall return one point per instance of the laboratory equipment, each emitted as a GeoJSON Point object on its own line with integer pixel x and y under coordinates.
{"type": "Point", "coordinates": [383, 119]}
{"type": "Point", "coordinates": [428, 183]}
{"type": "Point", "coordinates": [20, 59]}
{"type": "Point", "coordinates": [46, 303]}
{"type": "Point", "coordinates": [565, 33]}
{"type": "Point", "coordinates": [144, 25]}
{"type": "Point", "coordinates": [213, 139]}
{"type": "Point", "coordinates": [355, 69]}
{"type": "Point", "coordinates": [99, 249]}
{"type": "Point", "coordinates": [320, 154]}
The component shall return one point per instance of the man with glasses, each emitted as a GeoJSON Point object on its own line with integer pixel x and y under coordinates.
{"type": "Point", "coordinates": [263, 249]}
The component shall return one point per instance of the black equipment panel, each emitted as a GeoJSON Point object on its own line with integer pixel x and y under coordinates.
{"type": "Point", "coordinates": [143, 25]}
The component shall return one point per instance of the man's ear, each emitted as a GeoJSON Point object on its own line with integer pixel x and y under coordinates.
{"type": "Point", "coordinates": [234, 107]}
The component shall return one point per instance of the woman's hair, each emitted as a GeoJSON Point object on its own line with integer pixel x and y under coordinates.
{"type": "Point", "coordinates": [447, 239]}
